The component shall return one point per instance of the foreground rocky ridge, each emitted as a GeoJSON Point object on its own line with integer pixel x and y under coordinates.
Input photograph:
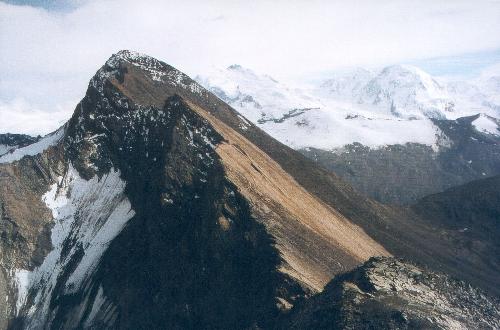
{"type": "Point", "coordinates": [387, 293]}
{"type": "Point", "coordinates": [161, 205]}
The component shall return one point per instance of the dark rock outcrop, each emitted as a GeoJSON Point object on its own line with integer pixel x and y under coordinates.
{"type": "Point", "coordinates": [387, 293]}
{"type": "Point", "coordinates": [20, 140]}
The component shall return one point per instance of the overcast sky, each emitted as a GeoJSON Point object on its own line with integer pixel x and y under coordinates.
{"type": "Point", "coordinates": [50, 49]}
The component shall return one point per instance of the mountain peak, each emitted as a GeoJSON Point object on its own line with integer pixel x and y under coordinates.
{"type": "Point", "coordinates": [193, 170]}
{"type": "Point", "coordinates": [155, 68]}
{"type": "Point", "coordinates": [409, 74]}
{"type": "Point", "coordinates": [234, 67]}
{"type": "Point", "coordinates": [136, 73]}
{"type": "Point", "coordinates": [129, 54]}
{"type": "Point", "coordinates": [239, 70]}
{"type": "Point", "coordinates": [402, 67]}
{"type": "Point", "coordinates": [130, 96]}
{"type": "Point", "coordinates": [407, 91]}
{"type": "Point", "coordinates": [133, 57]}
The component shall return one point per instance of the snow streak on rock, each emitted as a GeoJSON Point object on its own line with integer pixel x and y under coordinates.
{"type": "Point", "coordinates": [88, 215]}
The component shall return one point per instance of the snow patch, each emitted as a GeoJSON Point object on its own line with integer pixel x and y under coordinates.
{"type": "Point", "coordinates": [486, 124]}
{"type": "Point", "coordinates": [21, 281]}
{"type": "Point", "coordinates": [244, 124]}
{"type": "Point", "coordinates": [97, 307]}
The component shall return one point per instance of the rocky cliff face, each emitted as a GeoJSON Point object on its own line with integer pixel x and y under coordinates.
{"type": "Point", "coordinates": [157, 204]}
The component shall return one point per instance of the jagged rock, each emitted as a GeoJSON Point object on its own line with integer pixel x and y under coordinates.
{"type": "Point", "coordinates": [388, 293]}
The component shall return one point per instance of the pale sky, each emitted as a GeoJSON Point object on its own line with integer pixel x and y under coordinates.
{"type": "Point", "coordinates": [50, 49]}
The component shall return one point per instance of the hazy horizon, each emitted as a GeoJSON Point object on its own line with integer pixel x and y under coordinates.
{"type": "Point", "coordinates": [50, 49]}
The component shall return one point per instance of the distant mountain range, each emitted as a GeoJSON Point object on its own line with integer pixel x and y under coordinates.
{"type": "Point", "coordinates": [387, 133]}
{"type": "Point", "coordinates": [408, 92]}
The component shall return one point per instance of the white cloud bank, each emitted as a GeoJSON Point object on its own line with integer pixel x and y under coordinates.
{"type": "Point", "coordinates": [18, 116]}
{"type": "Point", "coordinates": [47, 57]}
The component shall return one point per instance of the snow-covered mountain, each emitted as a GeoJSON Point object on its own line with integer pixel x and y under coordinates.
{"type": "Point", "coordinates": [490, 86]}
{"type": "Point", "coordinates": [347, 85]}
{"type": "Point", "coordinates": [394, 106]}
{"type": "Point", "coordinates": [406, 92]}
{"type": "Point", "coordinates": [396, 135]}
{"type": "Point", "coordinates": [260, 97]}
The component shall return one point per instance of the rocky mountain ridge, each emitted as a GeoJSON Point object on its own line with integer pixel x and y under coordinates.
{"type": "Point", "coordinates": [121, 184]}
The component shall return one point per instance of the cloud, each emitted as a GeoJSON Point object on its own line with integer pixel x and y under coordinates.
{"type": "Point", "coordinates": [43, 49]}
{"type": "Point", "coordinates": [490, 71]}
{"type": "Point", "coordinates": [60, 5]}
{"type": "Point", "coordinates": [18, 116]}
{"type": "Point", "coordinates": [464, 66]}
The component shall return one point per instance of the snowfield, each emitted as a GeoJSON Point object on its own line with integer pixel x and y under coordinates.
{"type": "Point", "coordinates": [393, 106]}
